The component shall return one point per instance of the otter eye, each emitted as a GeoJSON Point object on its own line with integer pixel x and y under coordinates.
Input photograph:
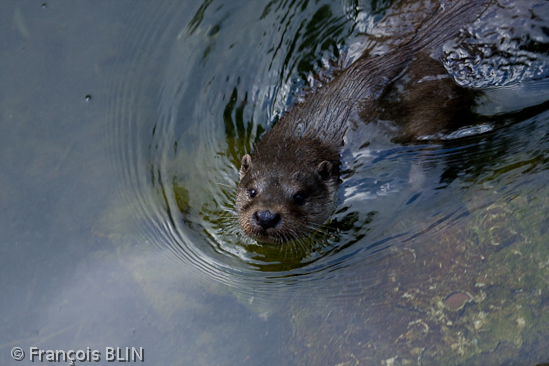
{"type": "Point", "coordinates": [299, 198]}
{"type": "Point", "coordinates": [252, 193]}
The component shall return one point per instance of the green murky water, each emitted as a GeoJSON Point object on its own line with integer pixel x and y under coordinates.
{"type": "Point", "coordinates": [122, 127]}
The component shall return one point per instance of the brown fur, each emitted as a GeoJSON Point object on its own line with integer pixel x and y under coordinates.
{"type": "Point", "coordinates": [291, 177]}
{"type": "Point", "coordinates": [287, 185]}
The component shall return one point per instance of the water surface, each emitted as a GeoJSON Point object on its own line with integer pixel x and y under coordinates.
{"type": "Point", "coordinates": [123, 126]}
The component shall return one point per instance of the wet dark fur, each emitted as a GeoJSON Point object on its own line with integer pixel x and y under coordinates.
{"type": "Point", "coordinates": [287, 185]}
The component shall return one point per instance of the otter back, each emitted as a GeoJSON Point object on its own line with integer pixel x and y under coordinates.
{"type": "Point", "coordinates": [287, 185]}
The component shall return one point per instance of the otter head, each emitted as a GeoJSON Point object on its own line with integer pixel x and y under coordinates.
{"type": "Point", "coordinates": [287, 189]}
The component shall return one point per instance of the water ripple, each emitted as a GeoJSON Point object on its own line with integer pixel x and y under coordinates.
{"type": "Point", "coordinates": [202, 88]}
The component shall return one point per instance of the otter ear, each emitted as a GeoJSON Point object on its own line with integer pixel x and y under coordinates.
{"type": "Point", "coordinates": [246, 165]}
{"type": "Point", "coordinates": [325, 169]}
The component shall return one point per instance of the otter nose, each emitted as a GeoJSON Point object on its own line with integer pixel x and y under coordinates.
{"type": "Point", "coordinates": [266, 219]}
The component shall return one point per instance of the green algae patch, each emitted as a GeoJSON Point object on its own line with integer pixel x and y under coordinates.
{"type": "Point", "coordinates": [476, 293]}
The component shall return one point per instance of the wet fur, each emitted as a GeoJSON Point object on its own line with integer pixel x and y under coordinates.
{"type": "Point", "coordinates": [301, 153]}
{"type": "Point", "coordinates": [281, 168]}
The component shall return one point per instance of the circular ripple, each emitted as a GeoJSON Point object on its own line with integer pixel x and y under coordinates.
{"type": "Point", "coordinates": [199, 90]}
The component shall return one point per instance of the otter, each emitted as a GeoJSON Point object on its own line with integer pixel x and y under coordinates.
{"type": "Point", "coordinates": [288, 183]}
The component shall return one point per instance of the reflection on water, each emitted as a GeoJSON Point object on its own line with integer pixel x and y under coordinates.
{"type": "Point", "coordinates": [210, 117]}
{"type": "Point", "coordinates": [429, 244]}
{"type": "Point", "coordinates": [187, 152]}
{"type": "Point", "coordinates": [505, 46]}
{"type": "Point", "coordinates": [435, 254]}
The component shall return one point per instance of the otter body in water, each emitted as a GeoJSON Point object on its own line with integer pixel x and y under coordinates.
{"type": "Point", "coordinates": [288, 183]}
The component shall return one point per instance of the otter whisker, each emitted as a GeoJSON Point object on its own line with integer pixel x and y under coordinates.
{"type": "Point", "coordinates": [224, 185]}
{"type": "Point", "coordinates": [288, 182]}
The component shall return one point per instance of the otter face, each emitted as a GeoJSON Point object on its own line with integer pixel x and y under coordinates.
{"type": "Point", "coordinates": [282, 201]}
